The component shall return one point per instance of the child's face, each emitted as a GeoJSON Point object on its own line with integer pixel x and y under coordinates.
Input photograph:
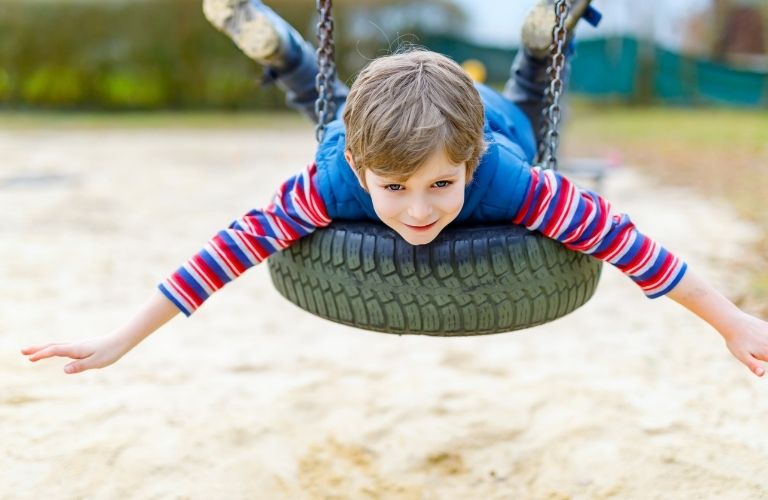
{"type": "Point", "coordinates": [419, 208]}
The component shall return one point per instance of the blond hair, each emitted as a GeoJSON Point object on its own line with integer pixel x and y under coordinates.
{"type": "Point", "coordinates": [404, 107]}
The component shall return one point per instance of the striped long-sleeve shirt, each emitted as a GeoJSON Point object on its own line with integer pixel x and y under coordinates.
{"type": "Point", "coordinates": [553, 206]}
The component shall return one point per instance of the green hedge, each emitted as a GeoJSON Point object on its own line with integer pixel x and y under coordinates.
{"type": "Point", "coordinates": [144, 54]}
{"type": "Point", "coordinates": [116, 55]}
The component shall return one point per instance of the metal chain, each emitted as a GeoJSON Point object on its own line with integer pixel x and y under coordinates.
{"type": "Point", "coordinates": [325, 107]}
{"type": "Point", "coordinates": [549, 135]}
{"type": "Point", "coordinates": [545, 123]}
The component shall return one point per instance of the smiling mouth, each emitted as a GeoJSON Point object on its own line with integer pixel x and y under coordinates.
{"type": "Point", "coordinates": [421, 228]}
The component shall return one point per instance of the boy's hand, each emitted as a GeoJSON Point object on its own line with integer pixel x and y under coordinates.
{"type": "Point", "coordinates": [92, 353]}
{"type": "Point", "coordinates": [747, 339]}
{"type": "Point", "coordinates": [745, 336]}
{"type": "Point", "coordinates": [99, 352]}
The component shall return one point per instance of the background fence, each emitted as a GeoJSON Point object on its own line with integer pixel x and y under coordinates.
{"type": "Point", "coordinates": [629, 70]}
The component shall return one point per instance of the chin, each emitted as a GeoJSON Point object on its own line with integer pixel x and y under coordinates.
{"type": "Point", "coordinates": [417, 240]}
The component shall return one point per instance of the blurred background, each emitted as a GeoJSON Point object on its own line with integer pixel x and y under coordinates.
{"type": "Point", "coordinates": [162, 54]}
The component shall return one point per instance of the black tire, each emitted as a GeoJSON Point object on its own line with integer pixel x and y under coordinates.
{"type": "Point", "coordinates": [469, 281]}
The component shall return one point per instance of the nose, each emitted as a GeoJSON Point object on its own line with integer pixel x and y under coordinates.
{"type": "Point", "coordinates": [420, 210]}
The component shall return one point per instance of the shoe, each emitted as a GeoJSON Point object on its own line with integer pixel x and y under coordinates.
{"type": "Point", "coordinates": [257, 30]}
{"type": "Point", "coordinates": [538, 24]}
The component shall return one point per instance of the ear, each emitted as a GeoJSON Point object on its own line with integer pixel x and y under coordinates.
{"type": "Point", "coordinates": [348, 157]}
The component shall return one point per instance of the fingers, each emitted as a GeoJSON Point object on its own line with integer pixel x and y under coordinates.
{"type": "Point", "coordinates": [761, 355]}
{"type": "Point", "coordinates": [750, 356]}
{"type": "Point", "coordinates": [756, 359]}
{"type": "Point", "coordinates": [34, 348]}
{"type": "Point", "coordinates": [88, 354]}
{"type": "Point", "coordinates": [75, 367]}
{"type": "Point", "coordinates": [58, 349]}
{"type": "Point", "coordinates": [62, 349]}
{"type": "Point", "coordinates": [753, 364]}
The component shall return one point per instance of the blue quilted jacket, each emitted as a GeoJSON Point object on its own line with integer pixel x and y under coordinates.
{"type": "Point", "coordinates": [497, 188]}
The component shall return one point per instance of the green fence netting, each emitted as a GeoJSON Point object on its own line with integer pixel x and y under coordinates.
{"type": "Point", "coordinates": [626, 69]}
{"type": "Point", "coordinates": [684, 80]}
{"type": "Point", "coordinates": [605, 68]}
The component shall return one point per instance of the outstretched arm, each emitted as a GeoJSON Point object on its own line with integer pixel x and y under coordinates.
{"type": "Point", "coordinates": [745, 336]}
{"type": "Point", "coordinates": [296, 210]}
{"type": "Point", "coordinates": [583, 221]}
{"type": "Point", "coordinates": [99, 352]}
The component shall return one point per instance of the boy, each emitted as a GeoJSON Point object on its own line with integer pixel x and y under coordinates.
{"type": "Point", "coordinates": [420, 147]}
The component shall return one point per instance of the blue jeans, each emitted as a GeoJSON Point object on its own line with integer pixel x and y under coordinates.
{"type": "Point", "coordinates": [298, 83]}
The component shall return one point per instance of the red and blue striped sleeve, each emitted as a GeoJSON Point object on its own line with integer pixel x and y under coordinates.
{"type": "Point", "coordinates": [582, 221]}
{"type": "Point", "coordinates": [296, 210]}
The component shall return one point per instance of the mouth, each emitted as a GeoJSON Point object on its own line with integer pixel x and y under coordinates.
{"type": "Point", "coordinates": [420, 228]}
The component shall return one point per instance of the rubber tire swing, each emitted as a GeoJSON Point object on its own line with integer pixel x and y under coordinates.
{"type": "Point", "coordinates": [469, 281]}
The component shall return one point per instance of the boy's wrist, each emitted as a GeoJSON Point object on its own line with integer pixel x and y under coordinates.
{"type": "Point", "coordinates": [126, 338]}
{"type": "Point", "coordinates": [730, 325]}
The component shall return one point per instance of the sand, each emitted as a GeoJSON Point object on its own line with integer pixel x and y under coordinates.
{"type": "Point", "coordinates": [254, 398]}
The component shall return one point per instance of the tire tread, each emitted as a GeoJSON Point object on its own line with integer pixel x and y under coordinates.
{"type": "Point", "coordinates": [469, 281]}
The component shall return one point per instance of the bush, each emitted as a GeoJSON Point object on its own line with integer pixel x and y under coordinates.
{"type": "Point", "coordinates": [143, 54]}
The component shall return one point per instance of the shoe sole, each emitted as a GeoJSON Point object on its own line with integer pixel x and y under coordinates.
{"type": "Point", "coordinates": [540, 21]}
{"type": "Point", "coordinates": [251, 30]}
{"type": "Point", "coordinates": [537, 29]}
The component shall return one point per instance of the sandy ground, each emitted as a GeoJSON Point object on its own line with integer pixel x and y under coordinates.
{"type": "Point", "coordinates": [253, 398]}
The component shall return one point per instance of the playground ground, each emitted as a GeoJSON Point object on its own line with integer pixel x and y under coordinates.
{"type": "Point", "coordinates": [254, 398]}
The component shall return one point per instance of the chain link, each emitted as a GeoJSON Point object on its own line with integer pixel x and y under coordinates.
{"type": "Point", "coordinates": [549, 137]}
{"type": "Point", "coordinates": [325, 107]}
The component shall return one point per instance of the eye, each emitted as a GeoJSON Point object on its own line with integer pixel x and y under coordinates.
{"type": "Point", "coordinates": [394, 187]}
{"type": "Point", "coordinates": [442, 184]}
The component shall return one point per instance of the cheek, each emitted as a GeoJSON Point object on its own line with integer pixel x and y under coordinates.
{"type": "Point", "coordinates": [386, 207]}
{"type": "Point", "coordinates": [451, 202]}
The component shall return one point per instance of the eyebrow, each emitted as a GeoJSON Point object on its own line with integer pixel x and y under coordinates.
{"type": "Point", "coordinates": [450, 173]}
{"type": "Point", "coordinates": [443, 175]}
